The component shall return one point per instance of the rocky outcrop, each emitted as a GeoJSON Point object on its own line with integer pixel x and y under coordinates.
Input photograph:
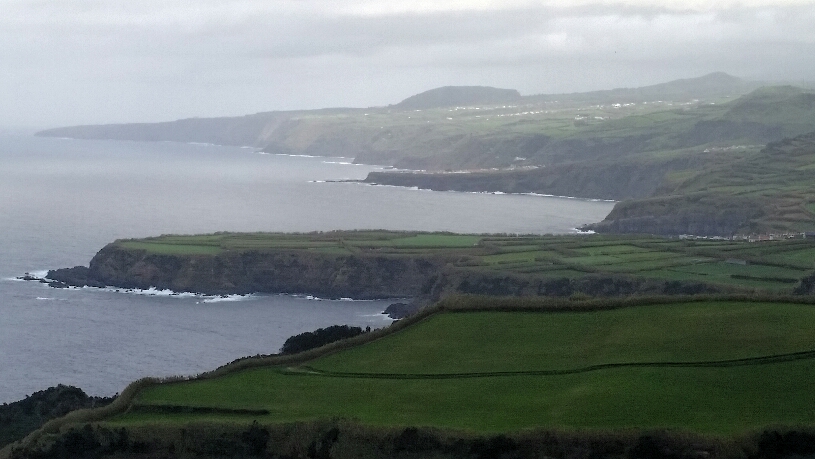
{"type": "Point", "coordinates": [398, 311]}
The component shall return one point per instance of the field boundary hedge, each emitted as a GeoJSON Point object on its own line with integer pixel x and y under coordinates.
{"type": "Point", "coordinates": [729, 363]}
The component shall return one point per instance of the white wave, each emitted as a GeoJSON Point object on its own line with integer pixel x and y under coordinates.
{"type": "Point", "coordinates": [34, 275]}
{"type": "Point", "coordinates": [43, 298]}
{"type": "Point", "coordinates": [494, 193]}
{"type": "Point", "coordinates": [317, 298]}
{"type": "Point", "coordinates": [167, 293]}
{"type": "Point", "coordinates": [225, 298]}
{"type": "Point", "coordinates": [381, 315]}
{"type": "Point", "coordinates": [152, 291]}
{"type": "Point", "coordinates": [297, 156]}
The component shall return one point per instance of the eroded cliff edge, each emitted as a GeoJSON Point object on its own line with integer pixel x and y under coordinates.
{"type": "Point", "coordinates": [243, 272]}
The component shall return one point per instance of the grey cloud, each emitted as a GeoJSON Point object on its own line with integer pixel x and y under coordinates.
{"type": "Point", "coordinates": [95, 61]}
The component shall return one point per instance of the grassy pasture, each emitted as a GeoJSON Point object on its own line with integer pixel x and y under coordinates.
{"type": "Point", "coordinates": [423, 374]}
{"type": "Point", "coordinates": [173, 248]}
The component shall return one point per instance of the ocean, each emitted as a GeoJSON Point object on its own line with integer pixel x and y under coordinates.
{"type": "Point", "coordinates": [61, 200]}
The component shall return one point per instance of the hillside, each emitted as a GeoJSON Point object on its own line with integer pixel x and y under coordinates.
{"type": "Point", "coordinates": [503, 359]}
{"type": "Point", "coordinates": [637, 145]}
{"type": "Point", "coordinates": [430, 125]}
{"type": "Point", "coordinates": [489, 378]}
{"type": "Point", "coordinates": [686, 171]}
{"type": "Point", "coordinates": [770, 191]}
{"type": "Point", "coordinates": [451, 96]}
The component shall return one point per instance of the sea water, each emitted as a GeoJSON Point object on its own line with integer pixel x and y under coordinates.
{"type": "Point", "coordinates": [61, 200]}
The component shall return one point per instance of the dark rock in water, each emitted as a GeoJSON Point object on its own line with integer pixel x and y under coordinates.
{"type": "Point", "coordinates": [401, 310]}
{"type": "Point", "coordinates": [29, 277]}
{"type": "Point", "coordinates": [78, 276]}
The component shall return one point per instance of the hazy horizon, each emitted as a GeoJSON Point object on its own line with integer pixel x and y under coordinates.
{"type": "Point", "coordinates": [93, 62]}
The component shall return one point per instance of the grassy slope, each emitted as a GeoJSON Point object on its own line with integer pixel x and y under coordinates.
{"type": "Point", "coordinates": [775, 183]}
{"type": "Point", "coordinates": [770, 267]}
{"type": "Point", "coordinates": [716, 400]}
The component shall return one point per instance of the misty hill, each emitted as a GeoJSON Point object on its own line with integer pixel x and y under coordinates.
{"type": "Point", "coordinates": [618, 144]}
{"type": "Point", "coordinates": [450, 96]}
{"type": "Point", "coordinates": [710, 86]}
{"type": "Point", "coordinates": [221, 131]}
{"type": "Point", "coordinates": [251, 130]}
{"type": "Point", "coordinates": [351, 132]}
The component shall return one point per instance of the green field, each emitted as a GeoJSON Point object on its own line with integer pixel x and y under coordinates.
{"type": "Point", "coordinates": [772, 266]}
{"type": "Point", "coordinates": [719, 367]}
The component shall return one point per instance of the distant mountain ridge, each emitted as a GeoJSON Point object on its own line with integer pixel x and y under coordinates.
{"type": "Point", "coordinates": [271, 128]}
{"type": "Point", "coordinates": [717, 84]}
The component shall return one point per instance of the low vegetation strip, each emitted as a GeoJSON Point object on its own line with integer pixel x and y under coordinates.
{"type": "Point", "coordinates": [182, 409]}
{"type": "Point", "coordinates": [762, 360]}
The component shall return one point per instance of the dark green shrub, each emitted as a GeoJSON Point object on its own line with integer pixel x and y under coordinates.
{"type": "Point", "coordinates": [319, 337]}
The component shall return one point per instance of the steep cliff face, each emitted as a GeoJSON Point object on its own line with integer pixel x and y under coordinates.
{"type": "Point", "coordinates": [424, 277]}
{"type": "Point", "coordinates": [332, 276]}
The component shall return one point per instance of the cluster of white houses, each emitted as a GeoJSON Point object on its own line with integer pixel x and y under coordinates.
{"type": "Point", "coordinates": [754, 237]}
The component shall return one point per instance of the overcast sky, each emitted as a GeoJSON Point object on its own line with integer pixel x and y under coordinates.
{"type": "Point", "coordinates": [98, 61]}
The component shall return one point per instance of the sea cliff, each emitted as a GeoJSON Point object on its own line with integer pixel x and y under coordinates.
{"type": "Point", "coordinates": [380, 264]}
{"type": "Point", "coordinates": [323, 275]}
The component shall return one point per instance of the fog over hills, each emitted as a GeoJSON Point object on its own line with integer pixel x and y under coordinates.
{"type": "Point", "coordinates": [259, 129]}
